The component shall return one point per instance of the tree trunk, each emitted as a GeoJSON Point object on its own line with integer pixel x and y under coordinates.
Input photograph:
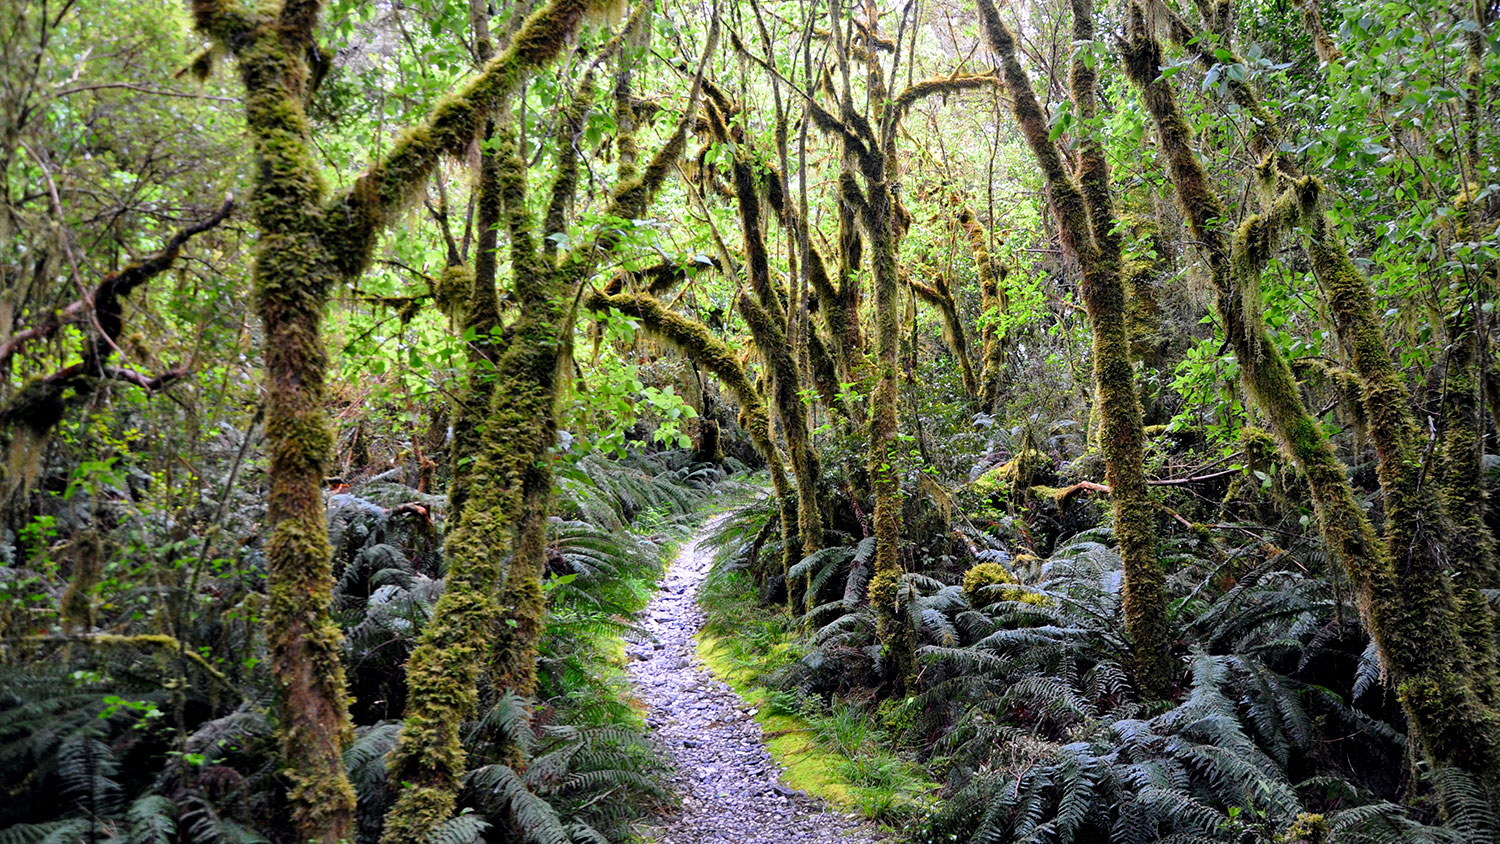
{"type": "Point", "coordinates": [1086, 225]}
{"type": "Point", "coordinates": [1407, 608]}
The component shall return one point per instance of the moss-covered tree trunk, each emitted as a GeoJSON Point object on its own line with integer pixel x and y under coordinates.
{"type": "Point", "coordinates": [1426, 527]}
{"type": "Point", "coordinates": [872, 210]}
{"type": "Point", "coordinates": [993, 303]}
{"type": "Point", "coordinates": [1086, 225]}
{"type": "Point", "coordinates": [939, 295]}
{"type": "Point", "coordinates": [1472, 550]}
{"type": "Point", "coordinates": [461, 639]}
{"type": "Point", "coordinates": [294, 271]}
{"type": "Point", "coordinates": [505, 516]}
{"type": "Point", "coordinates": [767, 318]}
{"type": "Point", "coordinates": [1408, 609]}
{"type": "Point", "coordinates": [480, 302]}
{"type": "Point", "coordinates": [768, 331]}
{"type": "Point", "coordinates": [310, 241]}
{"type": "Point", "coordinates": [897, 636]}
{"type": "Point", "coordinates": [548, 298]}
{"type": "Point", "coordinates": [876, 220]}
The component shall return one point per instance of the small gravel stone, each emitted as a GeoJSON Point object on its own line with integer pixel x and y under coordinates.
{"type": "Point", "coordinates": [730, 786]}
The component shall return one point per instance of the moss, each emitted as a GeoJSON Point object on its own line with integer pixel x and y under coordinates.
{"type": "Point", "coordinates": [1307, 828]}
{"type": "Point", "coordinates": [939, 296]}
{"type": "Point", "coordinates": [825, 373]}
{"type": "Point", "coordinates": [294, 269]}
{"type": "Point", "coordinates": [1416, 527]}
{"type": "Point", "coordinates": [1085, 218]}
{"type": "Point", "coordinates": [77, 604]}
{"type": "Point", "coordinates": [840, 321]}
{"type": "Point", "coordinates": [1472, 554]}
{"type": "Point", "coordinates": [523, 605]}
{"type": "Point", "coordinates": [806, 765]}
{"type": "Point", "coordinates": [565, 183]}
{"type": "Point", "coordinates": [307, 243]}
{"type": "Point", "coordinates": [766, 317]}
{"type": "Point", "coordinates": [1406, 602]}
{"type": "Point", "coordinates": [444, 669]}
{"type": "Point", "coordinates": [942, 86]}
{"type": "Point", "coordinates": [993, 301]}
{"type": "Point", "coordinates": [893, 627]}
{"type": "Point", "coordinates": [983, 575]}
{"type": "Point", "coordinates": [481, 305]}
{"type": "Point", "coordinates": [771, 341]}
{"type": "Point", "coordinates": [37, 407]}
{"type": "Point", "coordinates": [454, 285]}
{"type": "Point", "coordinates": [1312, 20]}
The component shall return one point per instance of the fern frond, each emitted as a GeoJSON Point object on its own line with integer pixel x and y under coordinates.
{"type": "Point", "coordinates": [459, 829]}
{"type": "Point", "coordinates": [534, 817]}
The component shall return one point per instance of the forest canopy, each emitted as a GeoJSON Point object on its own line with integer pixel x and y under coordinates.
{"type": "Point", "coordinates": [1097, 403]}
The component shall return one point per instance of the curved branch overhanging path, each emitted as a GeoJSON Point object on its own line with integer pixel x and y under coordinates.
{"type": "Point", "coordinates": [730, 787]}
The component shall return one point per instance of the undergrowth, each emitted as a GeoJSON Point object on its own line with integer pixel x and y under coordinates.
{"type": "Point", "coordinates": [120, 745]}
{"type": "Point", "coordinates": [1024, 713]}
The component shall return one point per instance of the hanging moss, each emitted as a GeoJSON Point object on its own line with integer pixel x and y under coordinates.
{"type": "Point", "coordinates": [1407, 608]}
{"type": "Point", "coordinates": [1312, 20]}
{"type": "Point", "coordinates": [693, 339]}
{"type": "Point", "coordinates": [939, 296]}
{"type": "Point", "coordinates": [994, 301]}
{"type": "Point", "coordinates": [86, 553]}
{"type": "Point", "coordinates": [454, 286]}
{"type": "Point", "coordinates": [825, 374]}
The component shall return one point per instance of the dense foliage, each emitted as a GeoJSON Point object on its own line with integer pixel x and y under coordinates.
{"type": "Point", "coordinates": [1108, 389]}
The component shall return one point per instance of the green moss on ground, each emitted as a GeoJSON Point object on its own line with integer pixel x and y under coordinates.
{"type": "Point", "coordinates": [791, 740]}
{"type": "Point", "coordinates": [835, 751]}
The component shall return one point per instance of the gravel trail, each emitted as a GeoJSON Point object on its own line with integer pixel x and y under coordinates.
{"type": "Point", "coordinates": [730, 786]}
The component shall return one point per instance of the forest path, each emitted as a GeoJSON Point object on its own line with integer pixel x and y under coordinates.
{"type": "Point", "coordinates": [730, 786]}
